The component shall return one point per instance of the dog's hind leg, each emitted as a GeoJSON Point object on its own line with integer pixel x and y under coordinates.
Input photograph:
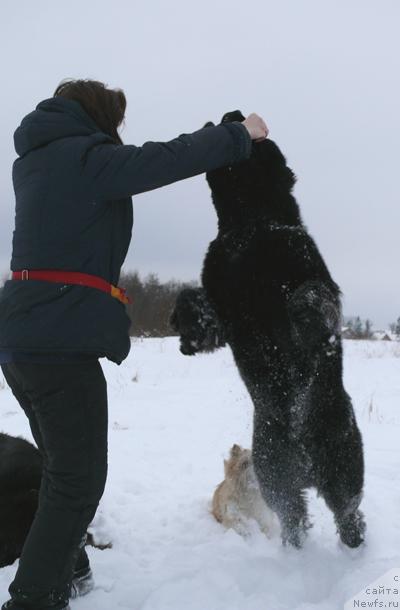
{"type": "Point", "coordinates": [283, 497]}
{"type": "Point", "coordinates": [292, 513]}
{"type": "Point", "coordinates": [291, 508]}
{"type": "Point", "coordinates": [349, 520]}
{"type": "Point", "coordinates": [342, 490]}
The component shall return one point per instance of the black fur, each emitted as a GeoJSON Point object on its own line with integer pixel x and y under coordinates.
{"type": "Point", "coordinates": [280, 312]}
{"type": "Point", "coordinates": [20, 477]}
{"type": "Point", "coordinates": [203, 331]}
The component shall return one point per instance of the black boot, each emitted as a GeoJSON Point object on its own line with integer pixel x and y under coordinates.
{"type": "Point", "coordinates": [22, 600]}
{"type": "Point", "coordinates": [82, 583]}
{"type": "Point", "coordinates": [11, 605]}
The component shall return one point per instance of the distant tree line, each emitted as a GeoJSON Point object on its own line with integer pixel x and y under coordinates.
{"type": "Point", "coordinates": [395, 328]}
{"type": "Point", "coordinates": [153, 302]}
{"type": "Point", "coordinates": [357, 329]}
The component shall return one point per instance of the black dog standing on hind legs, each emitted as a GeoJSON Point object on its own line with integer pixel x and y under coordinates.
{"type": "Point", "coordinates": [268, 293]}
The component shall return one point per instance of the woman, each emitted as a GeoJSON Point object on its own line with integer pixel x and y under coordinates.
{"type": "Point", "coordinates": [62, 310]}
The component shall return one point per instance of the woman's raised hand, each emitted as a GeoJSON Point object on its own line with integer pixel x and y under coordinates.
{"type": "Point", "coordinates": [256, 127]}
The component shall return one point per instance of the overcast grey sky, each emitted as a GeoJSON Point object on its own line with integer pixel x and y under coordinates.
{"type": "Point", "coordinates": [324, 74]}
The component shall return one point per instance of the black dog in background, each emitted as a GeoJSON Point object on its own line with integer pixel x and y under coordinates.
{"type": "Point", "coordinates": [268, 293]}
{"type": "Point", "coordinates": [20, 479]}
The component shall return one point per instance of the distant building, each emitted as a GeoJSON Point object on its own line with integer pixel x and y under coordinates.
{"type": "Point", "coordinates": [347, 332]}
{"type": "Point", "coordinates": [382, 335]}
{"type": "Point", "coordinates": [377, 335]}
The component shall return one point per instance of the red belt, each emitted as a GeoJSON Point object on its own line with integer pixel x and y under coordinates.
{"type": "Point", "coordinates": [72, 277]}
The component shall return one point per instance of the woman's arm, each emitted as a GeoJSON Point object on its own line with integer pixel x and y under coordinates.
{"type": "Point", "coordinates": [113, 172]}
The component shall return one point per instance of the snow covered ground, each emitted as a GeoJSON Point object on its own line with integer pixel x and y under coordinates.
{"type": "Point", "coordinates": [172, 421]}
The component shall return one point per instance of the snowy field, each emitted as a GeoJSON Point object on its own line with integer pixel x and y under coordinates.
{"type": "Point", "coordinates": [172, 421]}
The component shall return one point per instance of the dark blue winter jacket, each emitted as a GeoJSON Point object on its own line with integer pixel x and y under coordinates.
{"type": "Point", "coordinates": [73, 190]}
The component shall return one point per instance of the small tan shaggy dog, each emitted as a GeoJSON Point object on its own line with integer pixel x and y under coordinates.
{"type": "Point", "coordinates": [238, 498]}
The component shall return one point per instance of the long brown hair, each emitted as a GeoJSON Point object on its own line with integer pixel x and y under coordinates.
{"type": "Point", "coordinates": [105, 106]}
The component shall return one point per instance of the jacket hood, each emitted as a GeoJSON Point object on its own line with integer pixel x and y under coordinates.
{"type": "Point", "coordinates": [54, 118]}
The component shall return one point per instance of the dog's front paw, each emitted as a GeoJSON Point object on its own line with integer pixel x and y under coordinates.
{"type": "Point", "coordinates": [233, 115]}
{"type": "Point", "coordinates": [189, 347]}
{"type": "Point", "coordinates": [196, 322]}
{"type": "Point", "coordinates": [315, 315]}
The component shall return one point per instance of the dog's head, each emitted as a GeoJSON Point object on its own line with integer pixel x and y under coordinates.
{"type": "Point", "coordinates": [258, 186]}
{"type": "Point", "coordinates": [238, 463]}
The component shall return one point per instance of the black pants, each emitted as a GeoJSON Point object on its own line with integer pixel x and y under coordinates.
{"type": "Point", "coordinates": [66, 405]}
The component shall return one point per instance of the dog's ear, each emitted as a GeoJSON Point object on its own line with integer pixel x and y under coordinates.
{"type": "Point", "coordinates": [236, 450]}
{"type": "Point", "coordinates": [234, 115]}
{"type": "Point", "coordinates": [209, 124]}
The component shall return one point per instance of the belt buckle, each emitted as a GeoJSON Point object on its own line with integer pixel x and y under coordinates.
{"type": "Point", "coordinates": [25, 274]}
